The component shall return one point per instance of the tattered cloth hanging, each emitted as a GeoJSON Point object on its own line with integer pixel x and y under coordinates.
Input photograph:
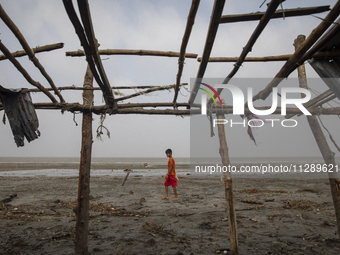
{"type": "Point", "coordinates": [21, 114]}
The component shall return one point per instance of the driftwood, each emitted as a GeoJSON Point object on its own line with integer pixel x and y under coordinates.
{"type": "Point", "coordinates": [290, 65]}
{"type": "Point", "coordinates": [38, 49]}
{"type": "Point", "coordinates": [213, 26]}
{"type": "Point", "coordinates": [24, 72]}
{"type": "Point", "coordinates": [190, 24]}
{"type": "Point", "coordinates": [15, 30]}
{"type": "Point", "coordinates": [277, 14]}
{"type": "Point", "coordinates": [80, 53]}
{"type": "Point", "coordinates": [317, 55]}
{"type": "Point", "coordinates": [127, 175]}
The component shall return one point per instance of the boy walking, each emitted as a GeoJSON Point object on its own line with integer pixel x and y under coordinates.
{"type": "Point", "coordinates": [170, 178]}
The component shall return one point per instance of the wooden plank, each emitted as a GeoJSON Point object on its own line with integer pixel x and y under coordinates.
{"type": "Point", "coordinates": [278, 14]}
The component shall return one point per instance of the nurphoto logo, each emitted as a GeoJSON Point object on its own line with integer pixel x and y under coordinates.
{"type": "Point", "coordinates": [239, 102]}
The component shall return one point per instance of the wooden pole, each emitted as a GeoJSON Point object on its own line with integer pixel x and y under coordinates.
{"type": "Point", "coordinates": [22, 70]}
{"type": "Point", "coordinates": [326, 152]}
{"type": "Point", "coordinates": [82, 209]}
{"type": "Point", "coordinates": [209, 42]}
{"type": "Point", "coordinates": [114, 87]}
{"type": "Point", "coordinates": [317, 55]}
{"type": "Point", "coordinates": [228, 182]}
{"type": "Point", "coordinates": [277, 14]}
{"type": "Point", "coordinates": [7, 20]}
{"type": "Point", "coordinates": [38, 49]}
{"type": "Point", "coordinates": [290, 65]}
{"type": "Point", "coordinates": [252, 40]}
{"type": "Point", "coordinates": [107, 91]}
{"type": "Point", "coordinates": [80, 53]}
{"type": "Point", "coordinates": [185, 40]}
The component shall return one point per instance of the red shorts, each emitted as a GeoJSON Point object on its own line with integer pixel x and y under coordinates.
{"type": "Point", "coordinates": [171, 180]}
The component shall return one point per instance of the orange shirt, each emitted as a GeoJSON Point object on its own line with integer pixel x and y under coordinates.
{"type": "Point", "coordinates": [171, 162]}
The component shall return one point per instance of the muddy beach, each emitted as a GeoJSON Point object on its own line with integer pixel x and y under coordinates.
{"type": "Point", "coordinates": [274, 216]}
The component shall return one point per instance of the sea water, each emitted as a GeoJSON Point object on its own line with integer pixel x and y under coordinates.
{"type": "Point", "coordinates": [145, 167]}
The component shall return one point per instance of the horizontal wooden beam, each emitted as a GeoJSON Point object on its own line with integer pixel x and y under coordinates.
{"type": "Point", "coordinates": [139, 109]}
{"type": "Point", "coordinates": [97, 88]}
{"type": "Point", "coordinates": [318, 55]}
{"type": "Point", "coordinates": [21, 53]}
{"type": "Point", "coordinates": [277, 14]}
{"type": "Point", "coordinates": [80, 53]}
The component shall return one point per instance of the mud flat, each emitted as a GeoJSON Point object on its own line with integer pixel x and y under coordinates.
{"type": "Point", "coordinates": [274, 216]}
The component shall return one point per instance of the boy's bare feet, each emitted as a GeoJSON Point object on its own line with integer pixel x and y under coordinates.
{"type": "Point", "coordinates": [176, 198]}
{"type": "Point", "coordinates": [165, 197]}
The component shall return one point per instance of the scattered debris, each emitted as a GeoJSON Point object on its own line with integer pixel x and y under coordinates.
{"type": "Point", "coordinates": [154, 229]}
{"type": "Point", "coordinates": [9, 199]}
{"type": "Point", "coordinates": [251, 202]}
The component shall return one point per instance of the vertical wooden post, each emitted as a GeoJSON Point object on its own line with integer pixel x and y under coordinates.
{"type": "Point", "coordinates": [228, 182]}
{"type": "Point", "coordinates": [326, 152]}
{"type": "Point", "coordinates": [82, 209]}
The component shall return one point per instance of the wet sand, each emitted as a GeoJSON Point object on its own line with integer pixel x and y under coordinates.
{"type": "Point", "coordinates": [274, 216]}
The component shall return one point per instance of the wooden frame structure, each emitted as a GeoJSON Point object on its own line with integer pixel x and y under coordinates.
{"type": "Point", "coordinates": [84, 29]}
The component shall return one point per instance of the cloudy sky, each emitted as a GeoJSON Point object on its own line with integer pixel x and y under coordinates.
{"type": "Point", "coordinates": [148, 25]}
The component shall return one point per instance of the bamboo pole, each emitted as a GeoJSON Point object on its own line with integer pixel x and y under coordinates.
{"type": "Point", "coordinates": [18, 66]}
{"type": "Point", "coordinates": [317, 55]}
{"type": "Point", "coordinates": [107, 92]}
{"type": "Point", "coordinates": [190, 24]}
{"type": "Point", "coordinates": [82, 209]}
{"type": "Point", "coordinates": [278, 14]}
{"type": "Point", "coordinates": [38, 49]}
{"type": "Point", "coordinates": [320, 44]}
{"type": "Point", "coordinates": [137, 108]}
{"type": "Point", "coordinates": [290, 65]}
{"type": "Point", "coordinates": [321, 141]}
{"type": "Point", "coordinates": [97, 88]}
{"type": "Point", "coordinates": [209, 42]}
{"type": "Point", "coordinates": [15, 30]}
{"type": "Point", "coordinates": [85, 14]}
{"type": "Point", "coordinates": [80, 53]}
{"type": "Point", "coordinates": [256, 34]}
{"type": "Point", "coordinates": [145, 92]}
{"type": "Point", "coordinates": [228, 182]}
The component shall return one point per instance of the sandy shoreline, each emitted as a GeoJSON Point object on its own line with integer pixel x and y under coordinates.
{"type": "Point", "coordinates": [280, 216]}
